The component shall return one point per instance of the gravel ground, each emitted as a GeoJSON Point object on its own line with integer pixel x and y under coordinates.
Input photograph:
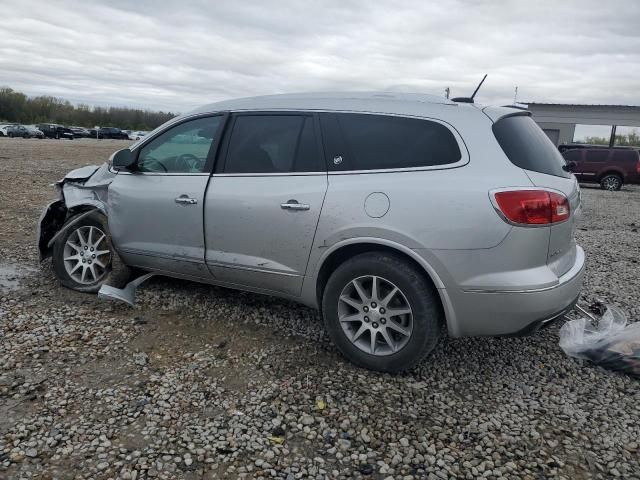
{"type": "Point", "coordinates": [204, 382]}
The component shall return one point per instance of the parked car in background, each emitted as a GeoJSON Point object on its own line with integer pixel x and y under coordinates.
{"type": "Point", "coordinates": [3, 129]}
{"type": "Point", "coordinates": [399, 216]}
{"type": "Point", "coordinates": [23, 131]}
{"type": "Point", "coordinates": [610, 167]}
{"type": "Point", "coordinates": [17, 131]}
{"type": "Point", "coordinates": [34, 131]}
{"type": "Point", "coordinates": [112, 133]}
{"type": "Point", "coordinates": [80, 132]}
{"type": "Point", "coordinates": [52, 130]}
{"type": "Point", "coordinates": [137, 135]}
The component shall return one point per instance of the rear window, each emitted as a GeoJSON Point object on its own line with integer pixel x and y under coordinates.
{"type": "Point", "coordinates": [372, 142]}
{"type": "Point", "coordinates": [527, 146]}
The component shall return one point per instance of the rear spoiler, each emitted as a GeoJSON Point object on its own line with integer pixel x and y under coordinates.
{"type": "Point", "coordinates": [496, 113]}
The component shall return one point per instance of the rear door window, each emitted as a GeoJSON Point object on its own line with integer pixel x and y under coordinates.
{"type": "Point", "coordinates": [272, 144]}
{"type": "Point", "coordinates": [573, 156]}
{"type": "Point", "coordinates": [598, 156]}
{"type": "Point", "coordinates": [373, 142]}
{"type": "Point", "coordinates": [527, 146]}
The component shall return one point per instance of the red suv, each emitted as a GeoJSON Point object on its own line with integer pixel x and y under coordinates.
{"type": "Point", "coordinates": [610, 167]}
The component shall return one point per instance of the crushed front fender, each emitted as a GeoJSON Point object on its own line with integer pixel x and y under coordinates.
{"type": "Point", "coordinates": [51, 220]}
{"type": "Point", "coordinates": [80, 190]}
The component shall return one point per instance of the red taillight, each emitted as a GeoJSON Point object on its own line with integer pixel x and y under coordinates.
{"type": "Point", "coordinates": [533, 207]}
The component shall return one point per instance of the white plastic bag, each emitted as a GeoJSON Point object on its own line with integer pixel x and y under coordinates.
{"type": "Point", "coordinates": [611, 343]}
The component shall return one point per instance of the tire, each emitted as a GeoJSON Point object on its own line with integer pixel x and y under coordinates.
{"type": "Point", "coordinates": [424, 323]}
{"type": "Point", "coordinates": [113, 271]}
{"type": "Point", "coordinates": [611, 182]}
{"type": "Point", "coordinates": [57, 136]}
{"type": "Point", "coordinates": [10, 135]}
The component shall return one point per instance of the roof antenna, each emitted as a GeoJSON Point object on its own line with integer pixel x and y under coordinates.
{"type": "Point", "coordinates": [470, 99]}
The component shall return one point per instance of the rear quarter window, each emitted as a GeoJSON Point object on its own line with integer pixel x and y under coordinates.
{"type": "Point", "coordinates": [625, 156]}
{"type": "Point", "coordinates": [374, 142]}
{"type": "Point", "coordinates": [527, 146]}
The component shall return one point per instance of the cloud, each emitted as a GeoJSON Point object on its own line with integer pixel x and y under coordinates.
{"type": "Point", "coordinates": [177, 55]}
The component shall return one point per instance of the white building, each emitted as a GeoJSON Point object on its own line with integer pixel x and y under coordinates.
{"type": "Point", "coordinates": [559, 120]}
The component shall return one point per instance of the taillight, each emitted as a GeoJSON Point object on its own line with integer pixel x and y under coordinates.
{"type": "Point", "coordinates": [533, 207]}
{"type": "Point", "coordinates": [638, 168]}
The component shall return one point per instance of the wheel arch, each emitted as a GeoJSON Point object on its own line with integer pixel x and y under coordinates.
{"type": "Point", "coordinates": [56, 219]}
{"type": "Point", "coordinates": [612, 171]}
{"type": "Point", "coordinates": [342, 251]}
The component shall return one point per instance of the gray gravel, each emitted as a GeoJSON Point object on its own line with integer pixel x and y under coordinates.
{"type": "Point", "coordinates": [202, 382]}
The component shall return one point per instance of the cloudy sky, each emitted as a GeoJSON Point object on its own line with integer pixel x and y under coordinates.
{"type": "Point", "coordinates": [176, 55]}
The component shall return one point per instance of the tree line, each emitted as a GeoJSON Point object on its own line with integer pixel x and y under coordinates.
{"type": "Point", "coordinates": [16, 107]}
{"type": "Point", "coordinates": [631, 139]}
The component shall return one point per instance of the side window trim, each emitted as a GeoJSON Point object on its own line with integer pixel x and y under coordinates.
{"type": "Point", "coordinates": [223, 150]}
{"type": "Point", "coordinates": [211, 154]}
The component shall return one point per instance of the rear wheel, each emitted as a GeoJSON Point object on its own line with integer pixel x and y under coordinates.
{"type": "Point", "coordinates": [611, 182]}
{"type": "Point", "coordinates": [381, 312]}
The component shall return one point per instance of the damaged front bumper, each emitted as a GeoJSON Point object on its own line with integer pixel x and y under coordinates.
{"type": "Point", "coordinates": [82, 191]}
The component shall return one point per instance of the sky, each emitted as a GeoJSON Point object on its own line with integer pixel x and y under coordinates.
{"type": "Point", "coordinates": [177, 55]}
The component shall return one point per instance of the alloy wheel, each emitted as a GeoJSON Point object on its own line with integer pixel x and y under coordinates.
{"type": "Point", "coordinates": [611, 183]}
{"type": "Point", "coordinates": [87, 255]}
{"type": "Point", "coordinates": [375, 315]}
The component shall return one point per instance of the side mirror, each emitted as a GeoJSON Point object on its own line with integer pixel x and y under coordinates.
{"type": "Point", "coordinates": [570, 166]}
{"type": "Point", "coordinates": [123, 159]}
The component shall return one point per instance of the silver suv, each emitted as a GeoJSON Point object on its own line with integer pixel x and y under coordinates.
{"type": "Point", "coordinates": [400, 217]}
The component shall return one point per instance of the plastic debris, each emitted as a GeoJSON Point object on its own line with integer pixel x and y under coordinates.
{"type": "Point", "coordinates": [321, 404]}
{"type": "Point", "coordinates": [608, 341]}
{"type": "Point", "coordinates": [277, 440]}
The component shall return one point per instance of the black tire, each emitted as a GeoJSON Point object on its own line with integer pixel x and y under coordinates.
{"type": "Point", "coordinates": [57, 136]}
{"type": "Point", "coordinates": [10, 135]}
{"type": "Point", "coordinates": [428, 318]}
{"type": "Point", "coordinates": [611, 182]}
{"type": "Point", "coordinates": [117, 273]}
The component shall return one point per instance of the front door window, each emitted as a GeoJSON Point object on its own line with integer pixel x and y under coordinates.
{"type": "Point", "coordinates": [182, 149]}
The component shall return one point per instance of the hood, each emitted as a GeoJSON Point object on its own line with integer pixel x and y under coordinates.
{"type": "Point", "coordinates": [82, 173]}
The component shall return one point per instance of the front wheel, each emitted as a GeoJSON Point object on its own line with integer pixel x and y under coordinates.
{"type": "Point", "coordinates": [84, 258]}
{"type": "Point", "coordinates": [381, 312]}
{"type": "Point", "coordinates": [611, 182]}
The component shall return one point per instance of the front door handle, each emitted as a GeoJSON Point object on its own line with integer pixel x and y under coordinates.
{"type": "Point", "coordinates": [186, 200]}
{"type": "Point", "coordinates": [294, 205]}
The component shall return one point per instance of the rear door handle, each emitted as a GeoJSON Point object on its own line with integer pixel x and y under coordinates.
{"type": "Point", "coordinates": [186, 200]}
{"type": "Point", "coordinates": [294, 205]}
